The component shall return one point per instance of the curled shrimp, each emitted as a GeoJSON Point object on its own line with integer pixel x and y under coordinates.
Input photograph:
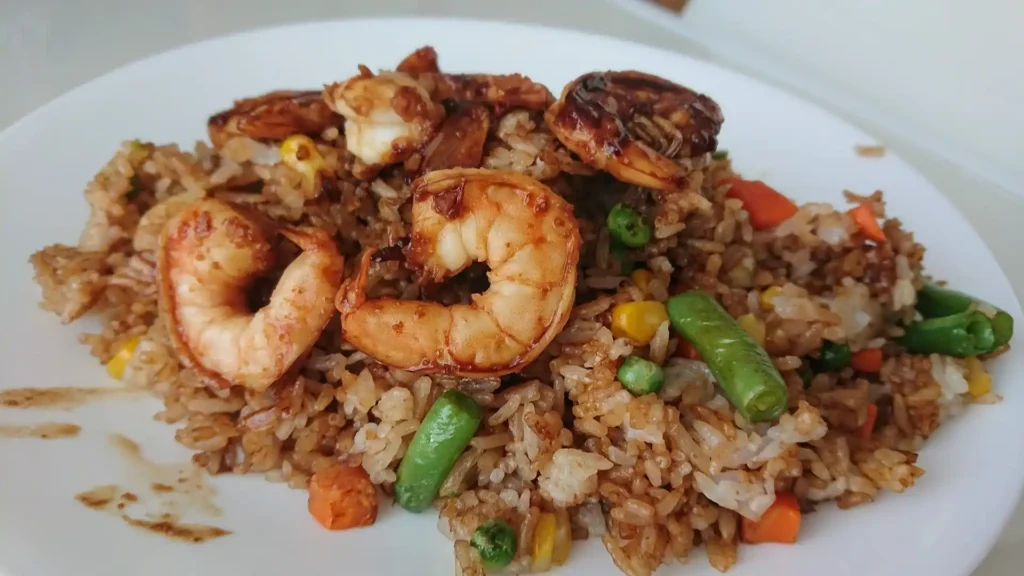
{"type": "Point", "coordinates": [209, 254]}
{"type": "Point", "coordinates": [522, 230]}
{"type": "Point", "coordinates": [642, 129]}
{"type": "Point", "coordinates": [502, 92]}
{"type": "Point", "coordinates": [388, 117]}
{"type": "Point", "coordinates": [273, 116]}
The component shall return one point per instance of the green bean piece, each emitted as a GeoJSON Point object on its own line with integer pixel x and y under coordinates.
{"type": "Point", "coordinates": [934, 301]}
{"type": "Point", "coordinates": [627, 226]}
{"type": "Point", "coordinates": [833, 357]}
{"type": "Point", "coordinates": [641, 376]}
{"type": "Point", "coordinates": [743, 369]}
{"type": "Point", "coordinates": [496, 542]}
{"type": "Point", "coordinates": [961, 335]}
{"type": "Point", "coordinates": [442, 436]}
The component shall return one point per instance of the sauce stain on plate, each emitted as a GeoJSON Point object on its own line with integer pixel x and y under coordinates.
{"type": "Point", "coordinates": [46, 431]}
{"type": "Point", "coordinates": [163, 495]}
{"type": "Point", "coordinates": [59, 398]}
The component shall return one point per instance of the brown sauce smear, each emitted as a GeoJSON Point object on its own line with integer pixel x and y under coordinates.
{"type": "Point", "coordinates": [46, 431]}
{"type": "Point", "coordinates": [60, 398]}
{"type": "Point", "coordinates": [173, 490]}
{"type": "Point", "coordinates": [194, 533]}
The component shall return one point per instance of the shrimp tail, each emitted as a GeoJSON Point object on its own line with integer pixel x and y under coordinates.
{"type": "Point", "coordinates": [353, 290]}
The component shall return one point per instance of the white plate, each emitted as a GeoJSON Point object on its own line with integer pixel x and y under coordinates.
{"type": "Point", "coordinates": [942, 526]}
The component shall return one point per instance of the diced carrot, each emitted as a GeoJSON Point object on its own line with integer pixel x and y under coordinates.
{"type": "Point", "coordinates": [864, 216]}
{"type": "Point", "coordinates": [767, 208]}
{"type": "Point", "coordinates": [687, 350]}
{"type": "Point", "coordinates": [342, 497]}
{"type": "Point", "coordinates": [869, 423]}
{"type": "Point", "coordinates": [868, 360]}
{"type": "Point", "coordinates": [779, 523]}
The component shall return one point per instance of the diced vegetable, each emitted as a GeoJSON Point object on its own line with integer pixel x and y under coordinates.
{"type": "Point", "coordinates": [342, 497]}
{"type": "Point", "coordinates": [563, 537]}
{"type": "Point", "coordinates": [868, 426]}
{"type": "Point", "coordinates": [627, 226]}
{"type": "Point", "coordinates": [934, 301]}
{"type": "Point", "coordinates": [720, 155]}
{"type": "Point", "coordinates": [640, 376]}
{"type": "Point", "coordinates": [638, 321]}
{"type": "Point", "coordinates": [642, 279]}
{"type": "Point", "coordinates": [780, 523]}
{"type": "Point", "coordinates": [767, 208]}
{"type": "Point", "coordinates": [496, 542]}
{"type": "Point", "coordinates": [833, 357]}
{"type": "Point", "coordinates": [687, 350]}
{"type": "Point", "coordinates": [544, 542]}
{"type": "Point", "coordinates": [117, 364]}
{"type": "Point", "coordinates": [300, 154]}
{"type": "Point", "coordinates": [965, 334]}
{"type": "Point", "coordinates": [742, 368]}
{"type": "Point", "coordinates": [868, 360]}
{"type": "Point", "coordinates": [767, 297]}
{"type": "Point", "coordinates": [753, 326]}
{"type": "Point", "coordinates": [864, 216]}
{"type": "Point", "coordinates": [442, 436]}
{"type": "Point", "coordinates": [979, 382]}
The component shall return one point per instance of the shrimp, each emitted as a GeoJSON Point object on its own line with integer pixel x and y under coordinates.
{"type": "Point", "coordinates": [273, 116]}
{"type": "Point", "coordinates": [520, 228]}
{"type": "Point", "coordinates": [502, 92]}
{"type": "Point", "coordinates": [460, 140]}
{"type": "Point", "coordinates": [388, 117]}
{"type": "Point", "coordinates": [209, 253]}
{"type": "Point", "coordinates": [642, 129]}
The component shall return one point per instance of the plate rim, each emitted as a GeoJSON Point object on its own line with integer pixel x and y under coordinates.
{"type": "Point", "coordinates": [976, 553]}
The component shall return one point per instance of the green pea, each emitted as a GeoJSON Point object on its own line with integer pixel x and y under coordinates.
{"type": "Point", "coordinates": [496, 542]}
{"type": "Point", "coordinates": [833, 357]}
{"type": "Point", "coordinates": [627, 226]}
{"type": "Point", "coordinates": [641, 376]}
{"type": "Point", "coordinates": [719, 154]}
{"type": "Point", "coordinates": [620, 253]}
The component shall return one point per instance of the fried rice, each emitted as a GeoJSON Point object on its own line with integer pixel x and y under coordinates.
{"type": "Point", "coordinates": [652, 476]}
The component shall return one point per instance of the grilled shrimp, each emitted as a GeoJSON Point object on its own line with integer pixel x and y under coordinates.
{"type": "Point", "coordinates": [642, 129]}
{"type": "Point", "coordinates": [209, 253]}
{"type": "Point", "coordinates": [502, 92]}
{"type": "Point", "coordinates": [273, 116]}
{"type": "Point", "coordinates": [388, 117]}
{"type": "Point", "coordinates": [520, 228]}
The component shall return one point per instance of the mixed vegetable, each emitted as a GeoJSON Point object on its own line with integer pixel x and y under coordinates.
{"type": "Point", "coordinates": [641, 376]}
{"type": "Point", "coordinates": [342, 497]}
{"type": "Point", "coordinates": [441, 438]}
{"type": "Point", "coordinates": [742, 368]}
{"type": "Point", "coordinates": [956, 324]}
{"type": "Point", "coordinates": [496, 542]}
{"type": "Point", "coordinates": [627, 227]}
{"type": "Point", "coordinates": [780, 523]}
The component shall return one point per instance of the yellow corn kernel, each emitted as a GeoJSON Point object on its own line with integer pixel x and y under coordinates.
{"type": "Point", "coordinates": [638, 321]}
{"type": "Point", "coordinates": [979, 382]}
{"type": "Point", "coordinates": [767, 296]}
{"type": "Point", "coordinates": [753, 326]}
{"type": "Point", "coordinates": [642, 278]}
{"type": "Point", "coordinates": [544, 541]}
{"type": "Point", "coordinates": [300, 154]}
{"type": "Point", "coordinates": [563, 537]}
{"type": "Point", "coordinates": [120, 360]}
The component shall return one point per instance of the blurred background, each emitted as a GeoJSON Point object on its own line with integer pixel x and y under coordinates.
{"type": "Point", "coordinates": [939, 82]}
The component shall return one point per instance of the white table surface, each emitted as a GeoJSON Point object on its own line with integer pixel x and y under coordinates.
{"type": "Point", "coordinates": [50, 46]}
